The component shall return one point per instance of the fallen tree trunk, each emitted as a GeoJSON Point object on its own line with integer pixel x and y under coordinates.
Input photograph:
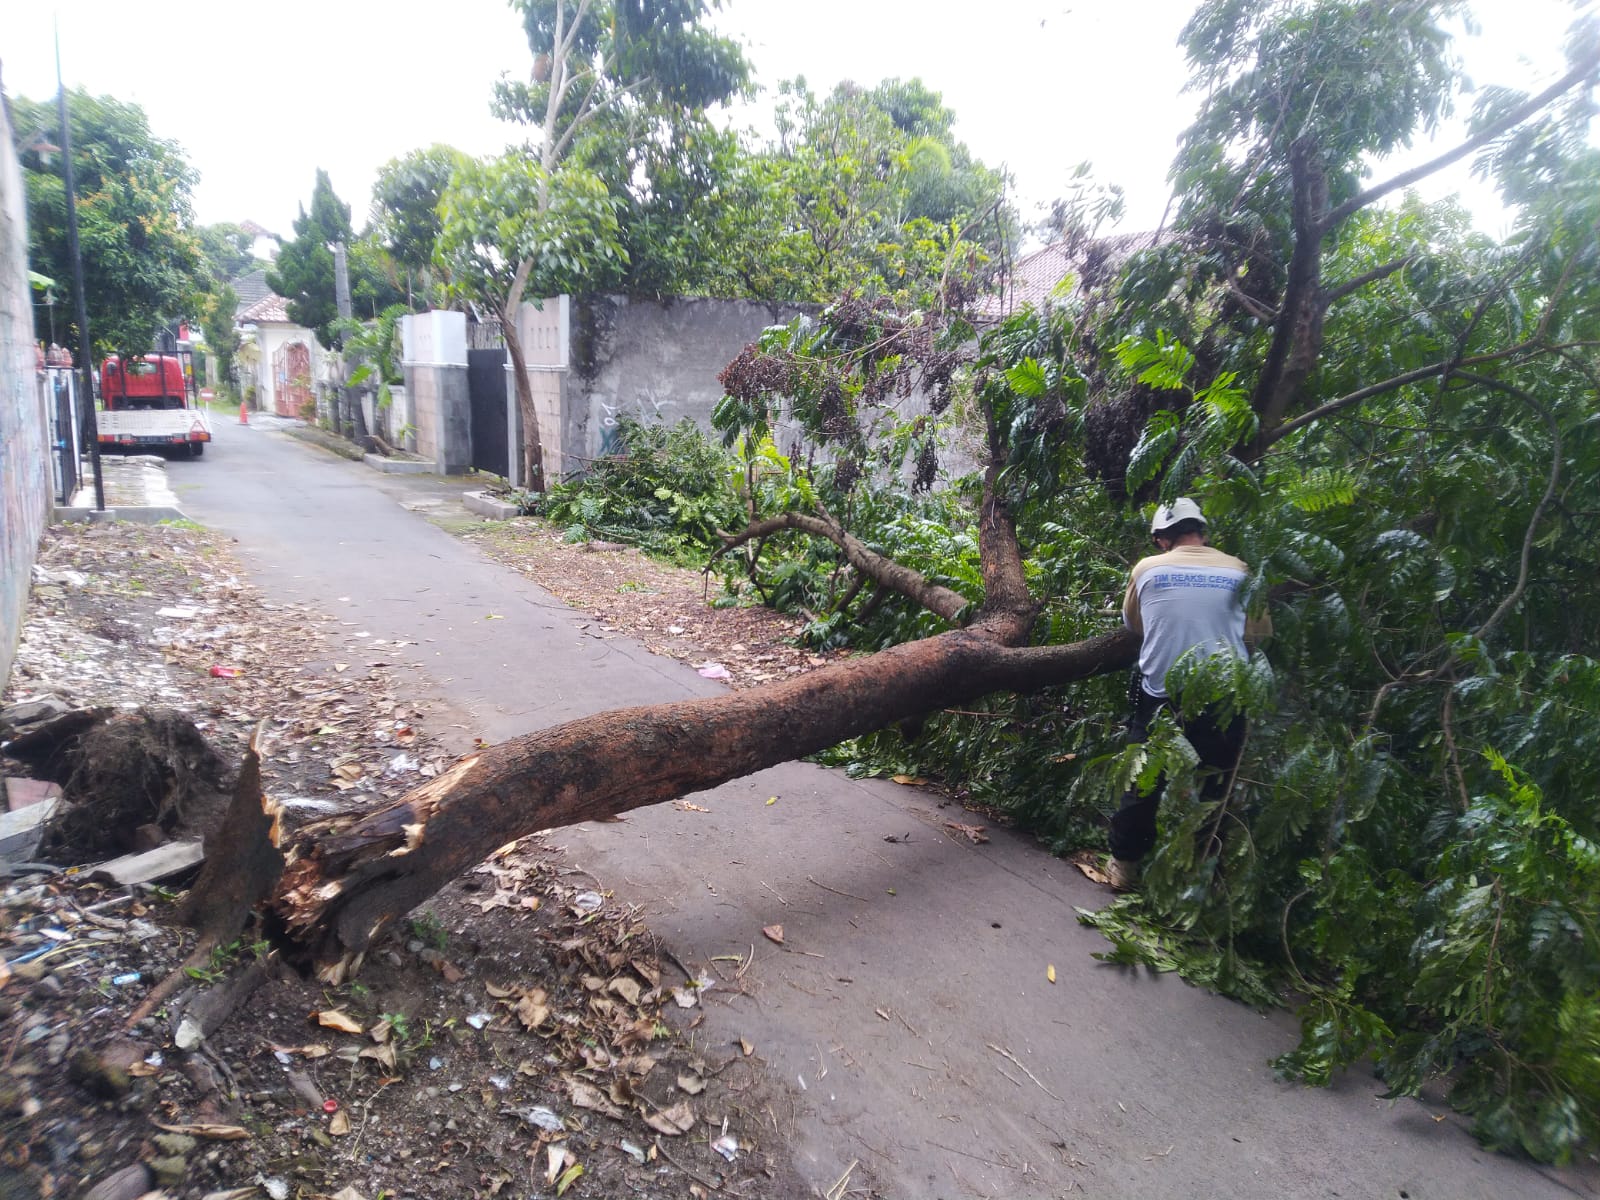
{"type": "Point", "coordinates": [341, 888]}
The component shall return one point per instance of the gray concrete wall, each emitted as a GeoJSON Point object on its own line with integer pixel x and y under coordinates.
{"type": "Point", "coordinates": [545, 328]}
{"type": "Point", "coordinates": [25, 479]}
{"type": "Point", "coordinates": [434, 356]}
{"type": "Point", "coordinates": [652, 360]}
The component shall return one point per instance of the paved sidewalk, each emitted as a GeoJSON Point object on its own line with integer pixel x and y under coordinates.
{"type": "Point", "coordinates": [136, 488]}
{"type": "Point", "coordinates": [907, 1013]}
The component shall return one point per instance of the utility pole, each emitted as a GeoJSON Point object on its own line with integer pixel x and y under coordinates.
{"type": "Point", "coordinates": [341, 299]}
{"type": "Point", "coordinates": [85, 345]}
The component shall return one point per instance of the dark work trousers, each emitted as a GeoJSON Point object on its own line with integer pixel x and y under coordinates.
{"type": "Point", "coordinates": [1133, 827]}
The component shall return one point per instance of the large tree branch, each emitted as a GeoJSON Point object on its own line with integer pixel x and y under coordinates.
{"type": "Point", "coordinates": [1447, 367]}
{"type": "Point", "coordinates": [1005, 583]}
{"type": "Point", "coordinates": [343, 886]}
{"type": "Point", "coordinates": [562, 78]}
{"type": "Point", "coordinates": [1332, 296]}
{"type": "Point", "coordinates": [1585, 68]}
{"type": "Point", "coordinates": [1347, 401]}
{"type": "Point", "coordinates": [588, 111]}
{"type": "Point", "coordinates": [943, 602]}
{"type": "Point", "coordinates": [1297, 336]}
{"type": "Point", "coordinates": [1250, 304]}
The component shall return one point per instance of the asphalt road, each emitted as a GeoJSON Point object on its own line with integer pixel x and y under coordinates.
{"type": "Point", "coordinates": [907, 1014]}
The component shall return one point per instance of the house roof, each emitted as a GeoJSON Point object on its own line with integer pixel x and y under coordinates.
{"type": "Point", "coordinates": [250, 288]}
{"type": "Point", "coordinates": [1037, 274]}
{"type": "Point", "coordinates": [271, 309]}
{"type": "Point", "coordinates": [255, 230]}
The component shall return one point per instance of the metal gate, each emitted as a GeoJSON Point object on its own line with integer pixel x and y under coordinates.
{"type": "Point", "coordinates": [486, 387]}
{"type": "Point", "coordinates": [61, 389]}
{"type": "Point", "coordinates": [291, 366]}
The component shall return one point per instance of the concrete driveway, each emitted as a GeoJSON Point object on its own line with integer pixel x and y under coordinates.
{"type": "Point", "coordinates": [907, 1016]}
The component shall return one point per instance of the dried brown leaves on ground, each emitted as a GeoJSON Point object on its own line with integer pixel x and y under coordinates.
{"type": "Point", "coordinates": [159, 616]}
{"type": "Point", "coordinates": [667, 608]}
{"type": "Point", "coordinates": [519, 1037]}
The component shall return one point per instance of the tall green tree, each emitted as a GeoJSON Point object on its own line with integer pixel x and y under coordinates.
{"type": "Point", "coordinates": [405, 207]}
{"type": "Point", "coordinates": [508, 226]}
{"type": "Point", "coordinates": [303, 272]}
{"type": "Point", "coordinates": [866, 189]}
{"type": "Point", "coordinates": [141, 257]}
{"type": "Point", "coordinates": [226, 250]}
{"type": "Point", "coordinates": [591, 59]}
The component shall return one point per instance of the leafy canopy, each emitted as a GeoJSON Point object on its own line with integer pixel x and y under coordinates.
{"type": "Point", "coordinates": [142, 260]}
{"type": "Point", "coordinates": [303, 272]}
{"type": "Point", "coordinates": [1396, 421]}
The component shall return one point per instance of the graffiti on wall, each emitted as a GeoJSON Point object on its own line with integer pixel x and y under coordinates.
{"type": "Point", "coordinates": [25, 480]}
{"type": "Point", "coordinates": [645, 407]}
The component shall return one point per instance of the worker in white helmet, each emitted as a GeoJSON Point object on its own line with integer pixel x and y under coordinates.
{"type": "Point", "coordinates": [1186, 598]}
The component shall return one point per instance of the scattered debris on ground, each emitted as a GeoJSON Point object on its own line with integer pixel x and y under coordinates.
{"type": "Point", "coordinates": [520, 1036]}
{"type": "Point", "coordinates": [626, 593]}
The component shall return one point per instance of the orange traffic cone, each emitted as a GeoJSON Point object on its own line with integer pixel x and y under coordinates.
{"type": "Point", "coordinates": [244, 414]}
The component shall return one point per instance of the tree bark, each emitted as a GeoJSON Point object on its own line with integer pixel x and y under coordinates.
{"type": "Point", "coordinates": [532, 444]}
{"type": "Point", "coordinates": [1297, 335]}
{"type": "Point", "coordinates": [342, 887]}
{"type": "Point", "coordinates": [936, 598]}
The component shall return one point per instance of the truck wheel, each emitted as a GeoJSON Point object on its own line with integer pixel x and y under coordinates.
{"type": "Point", "coordinates": [196, 449]}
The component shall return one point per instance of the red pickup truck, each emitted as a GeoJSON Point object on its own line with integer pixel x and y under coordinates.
{"type": "Point", "coordinates": [147, 402]}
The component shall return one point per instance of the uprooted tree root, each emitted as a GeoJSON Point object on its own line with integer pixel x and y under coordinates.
{"type": "Point", "coordinates": [126, 771]}
{"type": "Point", "coordinates": [242, 865]}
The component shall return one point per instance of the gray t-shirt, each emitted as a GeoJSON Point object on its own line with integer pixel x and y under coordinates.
{"type": "Point", "coordinates": [1186, 599]}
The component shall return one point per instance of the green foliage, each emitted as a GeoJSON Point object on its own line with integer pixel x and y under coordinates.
{"type": "Point", "coordinates": [426, 928]}
{"type": "Point", "coordinates": [498, 214]}
{"type": "Point", "coordinates": [405, 203]}
{"type": "Point", "coordinates": [142, 260]}
{"type": "Point", "coordinates": [303, 272]}
{"type": "Point", "coordinates": [865, 191]}
{"type": "Point", "coordinates": [375, 346]}
{"type": "Point", "coordinates": [668, 491]}
{"type": "Point", "coordinates": [215, 312]}
{"type": "Point", "coordinates": [658, 51]}
{"type": "Point", "coordinates": [621, 98]}
{"type": "Point", "coordinates": [226, 250]}
{"type": "Point", "coordinates": [1382, 73]}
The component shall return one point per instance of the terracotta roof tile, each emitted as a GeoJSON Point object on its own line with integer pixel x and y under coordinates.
{"type": "Point", "coordinates": [270, 309]}
{"type": "Point", "coordinates": [1036, 275]}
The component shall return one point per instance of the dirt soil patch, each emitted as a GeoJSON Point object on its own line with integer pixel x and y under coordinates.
{"type": "Point", "coordinates": [520, 1036]}
{"type": "Point", "coordinates": [665, 607]}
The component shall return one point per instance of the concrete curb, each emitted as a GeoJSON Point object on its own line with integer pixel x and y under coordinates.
{"type": "Point", "coordinates": [142, 514]}
{"type": "Point", "coordinates": [489, 506]}
{"type": "Point", "coordinates": [397, 466]}
{"type": "Point", "coordinates": [136, 490]}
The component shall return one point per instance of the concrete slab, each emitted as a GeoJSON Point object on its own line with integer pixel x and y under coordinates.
{"type": "Point", "coordinates": [22, 829]}
{"type": "Point", "coordinates": [149, 866]}
{"type": "Point", "coordinates": [24, 793]}
{"type": "Point", "coordinates": [489, 506]}
{"type": "Point", "coordinates": [397, 466]}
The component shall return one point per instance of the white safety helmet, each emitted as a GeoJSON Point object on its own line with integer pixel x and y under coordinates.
{"type": "Point", "coordinates": [1168, 515]}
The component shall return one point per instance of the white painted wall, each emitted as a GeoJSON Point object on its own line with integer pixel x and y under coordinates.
{"type": "Point", "coordinates": [272, 337]}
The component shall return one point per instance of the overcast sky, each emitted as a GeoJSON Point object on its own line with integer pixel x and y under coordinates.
{"type": "Point", "coordinates": [260, 96]}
